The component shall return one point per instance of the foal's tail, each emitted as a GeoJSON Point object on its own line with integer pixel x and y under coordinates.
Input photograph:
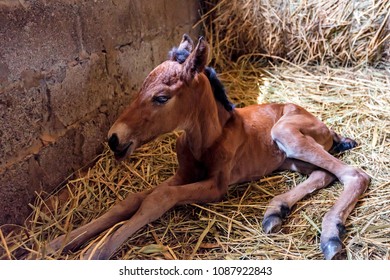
{"type": "Point", "coordinates": [341, 144]}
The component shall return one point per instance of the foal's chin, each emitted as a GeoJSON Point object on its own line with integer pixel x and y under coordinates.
{"type": "Point", "coordinates": [132, 145]}
{"type": "Point", "coordinates": [128, 151]}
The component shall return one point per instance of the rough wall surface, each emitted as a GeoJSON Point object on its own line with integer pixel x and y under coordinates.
{"type": "Point", "coordinates": [67, 68]}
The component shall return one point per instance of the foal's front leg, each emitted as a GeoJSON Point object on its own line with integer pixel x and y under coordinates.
{"type": "Point", "coordinates": [154, 206]}
{"type": "Point", "coordinates": [121, 211]}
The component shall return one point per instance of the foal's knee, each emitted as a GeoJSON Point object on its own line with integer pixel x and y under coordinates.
{"type": "Point", "coordinates": [355, 177]}
{"type": "Point", "coordinates": [291, 141]}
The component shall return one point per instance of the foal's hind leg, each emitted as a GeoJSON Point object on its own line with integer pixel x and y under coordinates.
{"type": "Point", "coordinates": [280, 205]}
{"type": "Point", "coordinates": [301, 136]}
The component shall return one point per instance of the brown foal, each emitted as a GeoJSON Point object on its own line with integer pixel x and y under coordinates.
{"type": "Point", "coordinates": [221, 145]}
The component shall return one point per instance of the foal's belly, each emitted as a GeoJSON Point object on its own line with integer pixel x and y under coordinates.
{"type": "Point", "coordinates": [257, 155]}
{"type": "Point", "coordinates": [256, 163]}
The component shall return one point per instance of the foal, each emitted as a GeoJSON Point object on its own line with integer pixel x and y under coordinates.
{"type": "Point", "coordinates": [220, 146]}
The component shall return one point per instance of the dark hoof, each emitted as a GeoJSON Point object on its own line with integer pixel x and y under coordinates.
{"type": "Point", "coordinates": [331, 248]}
{"type": "Point", "coordinates": [344, 145]}
{"type": "Point", "coordinates": [272, 223]}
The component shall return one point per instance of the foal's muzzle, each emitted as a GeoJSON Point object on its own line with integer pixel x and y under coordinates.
{"type": "Point", "coordinates": [120, 151]}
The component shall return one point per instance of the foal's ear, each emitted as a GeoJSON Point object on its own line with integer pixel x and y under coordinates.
{"type": "Point", "coordinates": [197, 60]}
{"type": "Point", "coordinates": [186, 43]}
{"type": "Point", "coordinates": [181, 53]}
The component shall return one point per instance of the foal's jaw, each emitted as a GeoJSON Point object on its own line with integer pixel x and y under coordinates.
{"type": "Point", "coordinates": [125, 152]}
{"type": "Point", "coordinates": [132, 132]}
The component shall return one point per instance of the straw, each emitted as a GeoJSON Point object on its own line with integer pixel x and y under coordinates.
{"type": "Point", "coordinates": [277, 56]}
{"type": "Point", "coordinates": [335, 32]}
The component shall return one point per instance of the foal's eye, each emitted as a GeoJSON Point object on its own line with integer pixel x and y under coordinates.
{"type": "Point", "coordinates": [160, 100]}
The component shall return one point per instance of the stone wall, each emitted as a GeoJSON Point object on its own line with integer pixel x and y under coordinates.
{"type": "Point", "coordinates": [67, 68]}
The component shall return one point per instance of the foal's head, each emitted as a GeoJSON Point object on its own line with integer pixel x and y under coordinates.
{"type": "Point", "coordinates": [165, 100]}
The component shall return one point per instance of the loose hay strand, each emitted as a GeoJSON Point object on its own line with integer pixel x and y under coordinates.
{"type": "Point", "coordinates": [5, 245]}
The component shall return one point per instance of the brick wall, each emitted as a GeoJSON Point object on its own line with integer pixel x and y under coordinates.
{"type": "Point", "coordinates": [67, 68]}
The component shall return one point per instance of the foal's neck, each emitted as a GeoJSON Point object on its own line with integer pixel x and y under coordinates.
{"type": "Point", "coordinates": [208, 119]}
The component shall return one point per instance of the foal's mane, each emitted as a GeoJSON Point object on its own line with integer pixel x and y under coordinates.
{"type": "Point", "coordinates": [180, 56]}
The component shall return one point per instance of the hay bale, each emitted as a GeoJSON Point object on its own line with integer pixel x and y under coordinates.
{"type": "Point", "coordinates": [336, 33]}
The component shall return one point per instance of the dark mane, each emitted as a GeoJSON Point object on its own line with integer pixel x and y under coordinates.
{"type": "Point", "coordinates": [218, 89]}
{"type": "Point", "coordinates": [216, 85]}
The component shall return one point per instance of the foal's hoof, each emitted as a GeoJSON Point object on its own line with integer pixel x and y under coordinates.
{"type": "Point", "coordinates": [272, 223]}
{"type": "Point", "coordinates": [331, 248]}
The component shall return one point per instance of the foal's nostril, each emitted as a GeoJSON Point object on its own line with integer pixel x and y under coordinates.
{"type": "Point", "coordinates": [113, 142]}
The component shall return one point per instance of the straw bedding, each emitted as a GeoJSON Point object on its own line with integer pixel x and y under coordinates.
{"type": "Point", "coordinates": [353, 101]}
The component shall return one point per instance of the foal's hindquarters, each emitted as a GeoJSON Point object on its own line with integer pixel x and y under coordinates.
{"type": "Point", "coordinates": [306, 143]}
{"type": "Point", "coordinates": [264, 138]}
